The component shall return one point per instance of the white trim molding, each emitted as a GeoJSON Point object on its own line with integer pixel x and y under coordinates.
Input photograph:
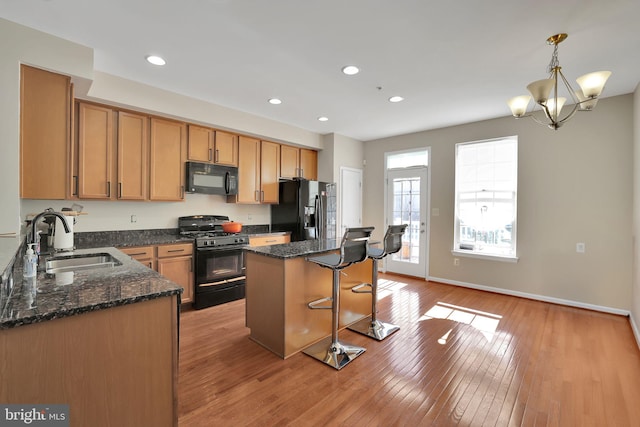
{"type": "Point", "coordinates": [634, 328]}
{"type": "Point", "coordinates": [543, 298]}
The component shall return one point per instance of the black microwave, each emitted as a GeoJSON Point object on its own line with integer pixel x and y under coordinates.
{"type": "Point", "coordinates": [207, 178]}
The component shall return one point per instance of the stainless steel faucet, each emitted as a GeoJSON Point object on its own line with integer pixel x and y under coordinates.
{"type": "Point", "coordinates": [35, 237]}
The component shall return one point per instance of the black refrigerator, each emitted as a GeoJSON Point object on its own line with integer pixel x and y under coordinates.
{"type": "Point", "coordinates": [307, 209]}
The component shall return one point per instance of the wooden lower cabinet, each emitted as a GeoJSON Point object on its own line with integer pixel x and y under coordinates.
{"type": "Point", "coordinates": [113, 367]}
{"type": "Point", "coordinates": [173, 261]}
{"type": "Point", "coordinates": [269, 239]}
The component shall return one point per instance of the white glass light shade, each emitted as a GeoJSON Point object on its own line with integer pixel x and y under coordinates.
{"type": "Point", "coordinates": [540, 89]}
{"type": "Point", "coordinates": [586, 104]}
{"type": "Point", "coordinates": [593, 83]}
{"type": "Point", "coordinates": [519, 105]}
{"type": "Point", "coordinates": [551, 106]}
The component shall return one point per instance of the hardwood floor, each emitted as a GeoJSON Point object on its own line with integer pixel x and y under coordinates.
{"type": "Point", "coordinates": [462, 357]}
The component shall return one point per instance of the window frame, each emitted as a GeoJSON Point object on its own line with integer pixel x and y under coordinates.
{"type": "Point", "coordinates": [456, 251]}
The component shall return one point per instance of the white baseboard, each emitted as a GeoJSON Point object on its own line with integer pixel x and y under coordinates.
{"type": "Point", "coordinates": [634, 328]}
{"type": "Point", "coordinates": [544, 298]}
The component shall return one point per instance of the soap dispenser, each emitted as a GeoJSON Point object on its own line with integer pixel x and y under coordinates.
{"type": "Point", "coordinates": [30, 267]}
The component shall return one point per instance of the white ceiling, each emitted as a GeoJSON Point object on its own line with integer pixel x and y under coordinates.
{"type": "Point", "coordinates": [453, 61]}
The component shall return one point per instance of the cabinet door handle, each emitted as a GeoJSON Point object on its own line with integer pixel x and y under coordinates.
{"type": "Point", "coordinates": [216, 158]}
{"type": "Point", "coordinates": [175, 250]}
{"type": "Point", "coordinates": [210, 154]}
{"type": "Point", "coordinates": [108, 188]}
{"type": "Point", "coordinates": [262, 195]}
{"type": "Point", "coordinates": [75, 185]}
{"type": "Point", "coordinates": [182, 191]}
{"type": "Point", "coordinates": [119, 190]}
{"type": "Point", "coordinates": [256, 196]}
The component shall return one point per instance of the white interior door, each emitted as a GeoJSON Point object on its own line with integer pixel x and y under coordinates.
{"type": "Point", "coordinates": [407, 204]}
{"type": "Point", "coordinates": [350, 199]}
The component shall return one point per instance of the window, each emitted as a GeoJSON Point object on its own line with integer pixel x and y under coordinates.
{"type": "Point", "coordinates": [486, 190]}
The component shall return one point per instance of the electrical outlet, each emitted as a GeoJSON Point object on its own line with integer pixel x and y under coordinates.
{"type": "Point", "coordinates": [134, 218]}
{"type": "Point", "coordinates": [249, 217]}
{"type": "Point", "coordinates": [580, 248]}
{"type": "Point", "coordinates": [456, 261]}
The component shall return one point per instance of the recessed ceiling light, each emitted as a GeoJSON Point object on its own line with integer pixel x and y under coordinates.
{"type": "Point", "coordinates": [350, 70]}
{"type": "Point", "coordinates": [323, 118]}
{"type": "Point", "coordinates": [275, 101]}
{"type": "Point", "coordinates": [156, 60]}
{"type": "Point", "coordinates": [396, 99]}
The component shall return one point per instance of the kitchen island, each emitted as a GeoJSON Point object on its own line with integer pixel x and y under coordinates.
{"type": "Point", "coordinates": [280, 284]}
{"type": "Point", "coordinates": [102, 340]}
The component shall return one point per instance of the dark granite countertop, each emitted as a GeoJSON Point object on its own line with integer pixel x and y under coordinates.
{"type": "Point", "coordinates": [52, 296]}
{"type": "Point", "coordinates": [296, 249]}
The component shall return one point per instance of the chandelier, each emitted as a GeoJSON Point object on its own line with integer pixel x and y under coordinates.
{"type": "Point", "coordinates": [545, 93]}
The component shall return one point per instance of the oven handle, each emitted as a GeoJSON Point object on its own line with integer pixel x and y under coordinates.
{"type": "Point", "coordinates": [226, 182]}
{"type": "Point", "coordinates": [222, 282]}
{"type": "Point", "coordinates": [220, 248]}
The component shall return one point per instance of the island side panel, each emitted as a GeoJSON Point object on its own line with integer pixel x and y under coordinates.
{"type": "Point", "coordinates": [114, 366]}
{"type": "Point", "coordinates": [306, 282]}
{"type": "Point", "coordinates": [265, 302]}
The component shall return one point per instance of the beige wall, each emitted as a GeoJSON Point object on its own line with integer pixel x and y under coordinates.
{"type": "Point", "coordinates": [635, 302]}
{"type": "Point", "coordinates": [574, 185]}
{"type": "Point", "coordinates": [21, 44]}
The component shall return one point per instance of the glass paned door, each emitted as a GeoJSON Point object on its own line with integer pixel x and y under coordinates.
{"type": "Point", "coordinates": [407, 204]}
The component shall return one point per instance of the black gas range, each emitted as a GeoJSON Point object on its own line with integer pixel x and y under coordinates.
{"type": "Point", "coordinates": [219, 259]}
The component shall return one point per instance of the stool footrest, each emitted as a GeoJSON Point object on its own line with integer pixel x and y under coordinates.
{"type": "Point", "coordinates": [315, 305]}
{"type": "Point", "coordinates": [357, 288]}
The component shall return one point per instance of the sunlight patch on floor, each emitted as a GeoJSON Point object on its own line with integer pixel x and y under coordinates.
{"type": "Point", "coordinates": [486, 323]}
{"type": "Point", "coordinates": [387, 287]}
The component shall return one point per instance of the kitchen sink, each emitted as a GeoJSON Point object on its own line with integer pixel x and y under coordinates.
{"type": "Point", "coordinates": [60, 264]}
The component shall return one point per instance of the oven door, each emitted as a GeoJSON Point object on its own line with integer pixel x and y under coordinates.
{"type": "Point", "coordinates": [219, 266]}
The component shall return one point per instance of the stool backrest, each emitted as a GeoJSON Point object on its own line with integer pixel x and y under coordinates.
{"type": "Point", "coordinates": [355, 244]}
{"type": "Point", "coordinates": [393, 238]}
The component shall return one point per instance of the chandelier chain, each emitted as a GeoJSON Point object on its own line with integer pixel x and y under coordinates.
{"type": "Point", "coordinates": [554, 60]}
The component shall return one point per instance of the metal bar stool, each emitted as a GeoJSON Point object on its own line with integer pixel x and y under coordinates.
{"type": "Point", "coordinates": [353, 249]}
{"type": "Point", "coordinates": [373, 327]}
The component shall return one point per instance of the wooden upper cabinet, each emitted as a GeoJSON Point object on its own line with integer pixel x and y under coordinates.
{"type": "Point", "coordinates": [209, 146]}
{"type": "Point", "coordinates": [95, 151]}
{"type": "Point", "coordinates": [200, 144]}
{"type": "Point", "coordinates": [226, 149]}
{"type": "Point", "coordinates": [269, 172]}
{"type": "Point", "coordinates": [248, 171]}
{"type": "Point", "coordinates": [289, 161]}
{"type": "Point", "coordinates": [166, 162]}
{"type": "Point", "coordinates": [309, 164]}
{"type": "Point", "coordinates": [45, 134]}
{"type": "Point", "coordinates": [133, 156]}
{"type": "Point", "coordinates": [298, 163]}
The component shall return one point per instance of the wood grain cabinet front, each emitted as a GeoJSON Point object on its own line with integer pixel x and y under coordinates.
{"type": "Point", "coordinates": [258, 172]}
{"type": "Point", "coordinates": [167, 156]}
{"type": "Point", "coordinates": [112, 153]}
{"type": "Point", "coordinates": [270, 239]}
{"type": "Point", "coordinates": [174, 261]}
{"type": "Point", "coordinates": [298, 163]}
{"type": "Point", "coordinates": [45, 134]}
{"type": "Point", "coordinates": [212, 146]}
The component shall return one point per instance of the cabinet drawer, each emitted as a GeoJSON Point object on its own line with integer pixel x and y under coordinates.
{"type": "Point", "coordinates": [178, 249]}
{"type": "Point", "coordinates": [269, 240]}
{"type": "Point", "coordinates": [139, 252]}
